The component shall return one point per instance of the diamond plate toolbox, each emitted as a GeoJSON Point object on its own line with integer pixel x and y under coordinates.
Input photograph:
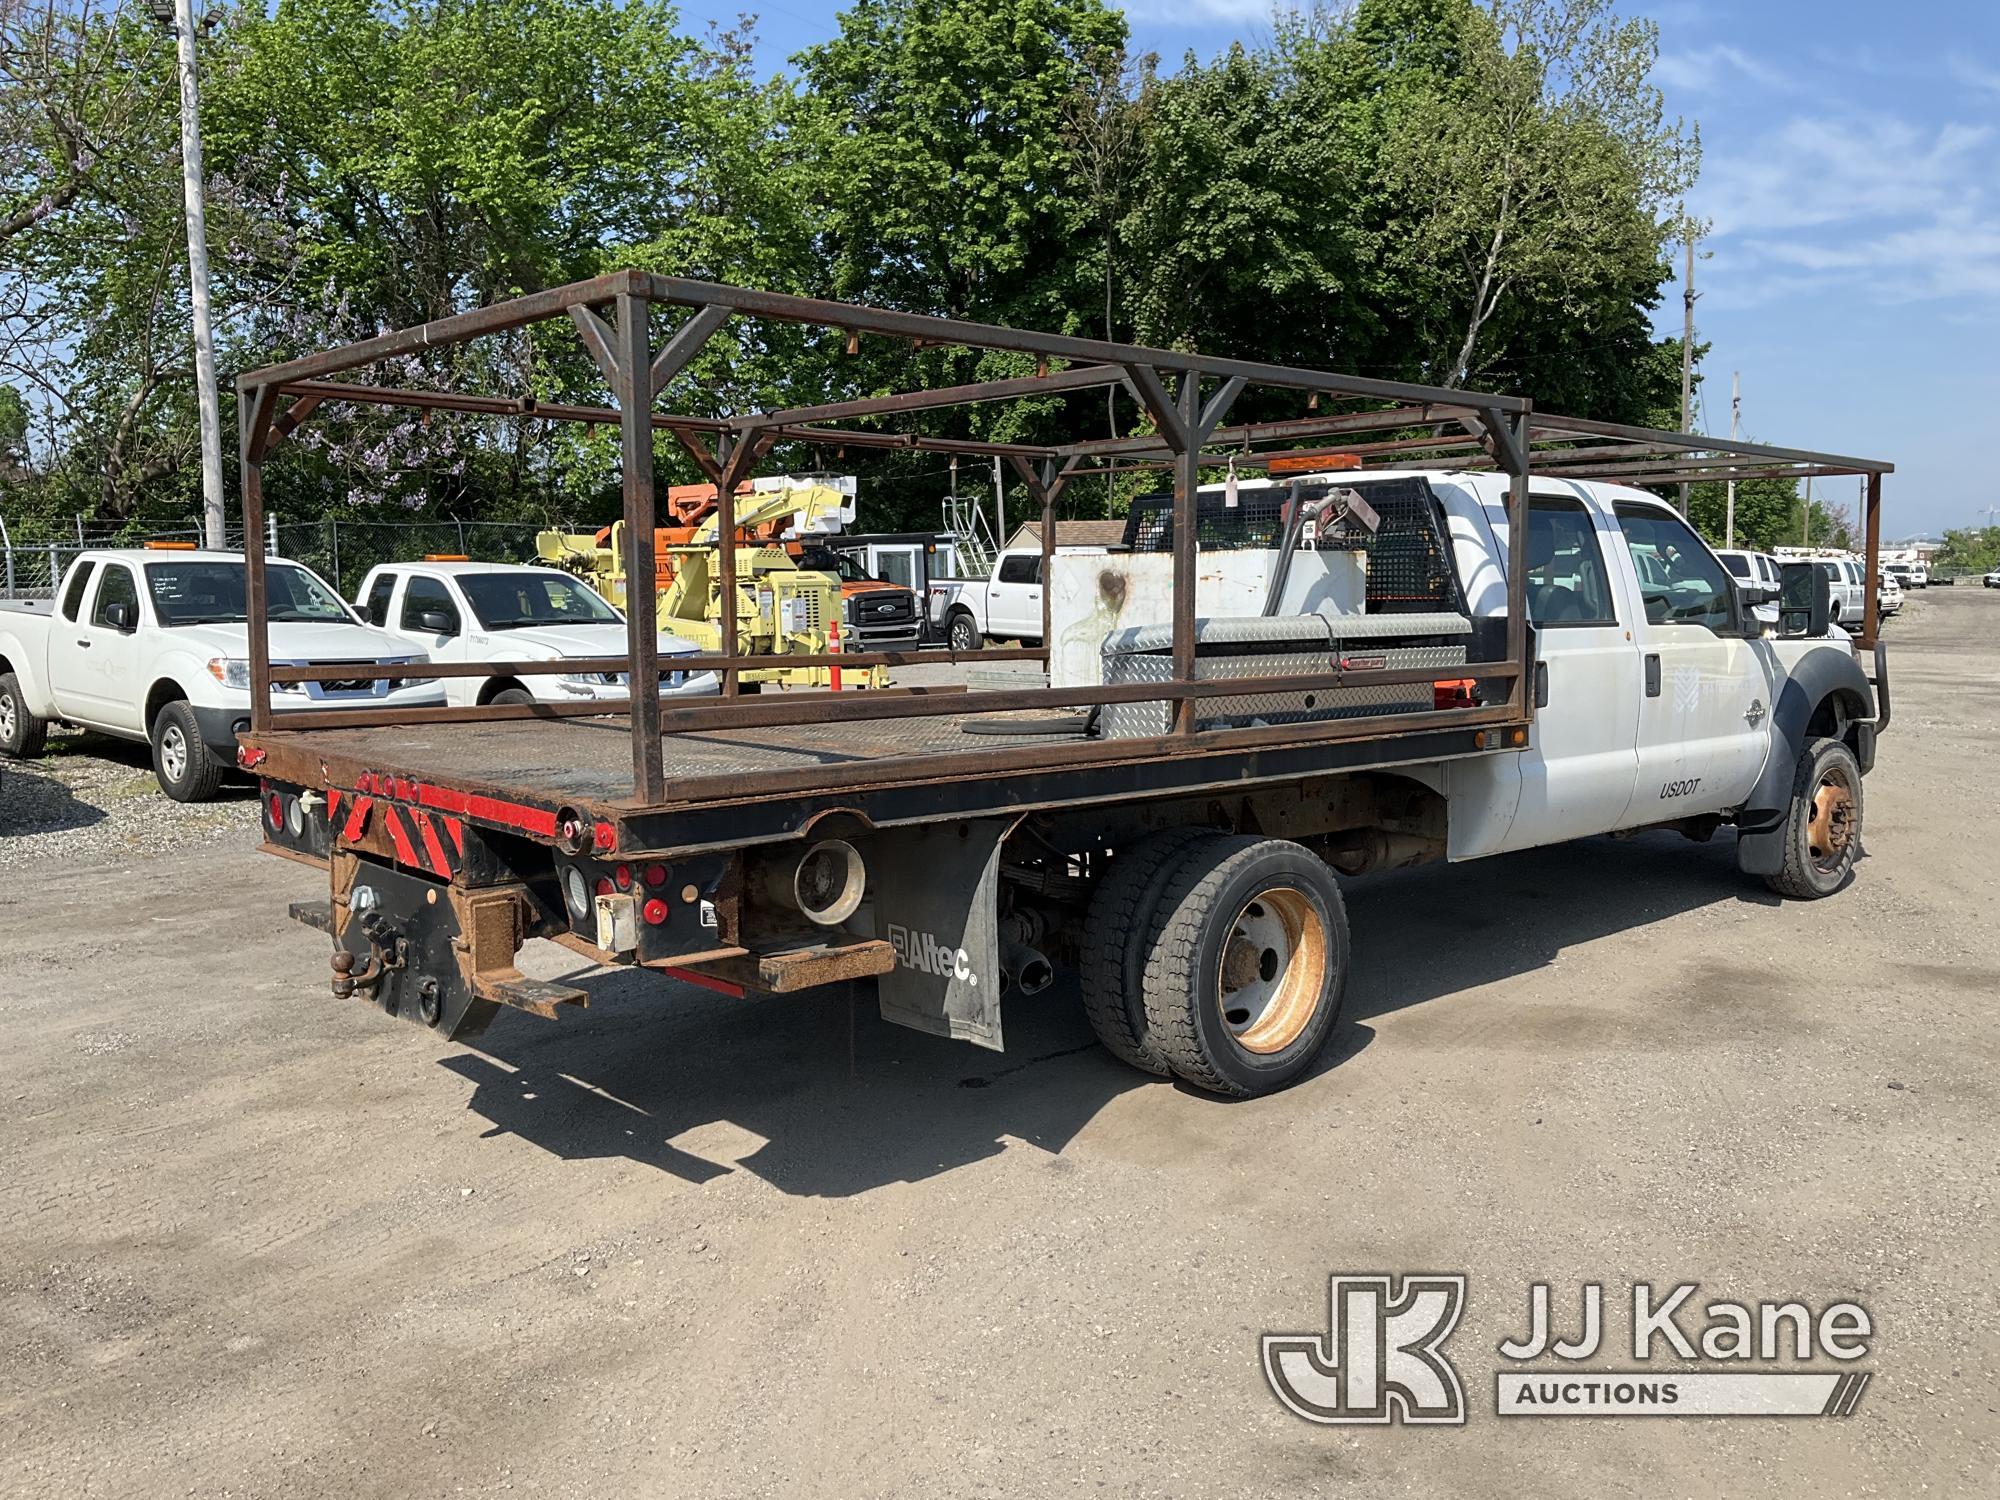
{"type": "Point", "coordinates": [1282, 646]}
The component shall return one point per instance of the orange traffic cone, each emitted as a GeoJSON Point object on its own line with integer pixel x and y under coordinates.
{"type": "Point", "coordinates": [833, 649]}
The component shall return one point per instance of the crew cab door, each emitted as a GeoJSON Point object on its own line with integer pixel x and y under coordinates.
{"type": "Point", "coordinates": [94, 663]}
{"type": "Point", "coordinates": [1578, 773]}
{"type": "Point", "coordinates": [1014, 597]}
{"type": "Point", "coordinates": [1705, 710]}
{"type": "Point", "coordinates": [421, 602]}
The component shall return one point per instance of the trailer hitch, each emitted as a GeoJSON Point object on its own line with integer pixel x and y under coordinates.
{"type": "Point", "coordinates": [388, 951]}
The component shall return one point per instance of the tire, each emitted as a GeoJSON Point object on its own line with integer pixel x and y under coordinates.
{"type": "Point", "coordinates": [22, 734]}
{"type": "Point", "coordinates": [964, 632]}
{"type": "Point", "coordinates": [1822, 824]}
{"type": "Point", "coordinates": [512, 695]}
{"type": "Point", "coordinates": [1243, 988]}
{"type": "Point", "coordinates": [1118, 933]}
{"type": "Point", "coordinates": [186, 768]}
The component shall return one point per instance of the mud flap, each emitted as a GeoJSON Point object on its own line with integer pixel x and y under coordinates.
{"type": "Point", "coordinates": [934, 895]}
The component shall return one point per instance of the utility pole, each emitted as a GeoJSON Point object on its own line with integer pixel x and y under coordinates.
{"type": "Point", "coordinates": [1687, 340]}
{"type": "Point", "coordinates": [1805, 533]}
{"type": "Point", "coordinates": [177, 16]}
{"type": "Point", "coordinates": [1735, 413]}
{"type": "Point", "coordinates": [999, 503]}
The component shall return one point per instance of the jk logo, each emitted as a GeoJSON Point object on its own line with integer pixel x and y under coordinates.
{"type": "Point", "coordinates": [1379, 1360]}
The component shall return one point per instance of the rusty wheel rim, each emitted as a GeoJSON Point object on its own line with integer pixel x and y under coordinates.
{"type": "Point", "coordinates": [1831, 831]}
{"type": "Point", "coordinates": [1272, 971]}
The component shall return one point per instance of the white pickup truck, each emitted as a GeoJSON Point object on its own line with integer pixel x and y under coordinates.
{"type": "Point", "coordinates": [1006, 606]}
{"type": "Point", "coordinates": [151, 646]}
{"type": "Point", "coordinates": [457, 611]}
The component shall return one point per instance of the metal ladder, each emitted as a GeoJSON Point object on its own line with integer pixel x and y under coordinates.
{"type": "Point", "coordinates": [966, 524]}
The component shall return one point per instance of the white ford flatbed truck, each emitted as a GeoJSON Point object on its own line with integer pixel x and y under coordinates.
{"type": "Point", "coordinates": [496, 613]}
{"type": "Point", "coordinates": [1191, 884]}
{"type": "Point", "coordinates": [150, 646]}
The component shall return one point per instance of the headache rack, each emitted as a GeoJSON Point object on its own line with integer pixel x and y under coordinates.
{"type": "Point", "coordinates": [1185, 398]}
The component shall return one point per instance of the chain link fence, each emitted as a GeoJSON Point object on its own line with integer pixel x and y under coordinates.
{"type": "Point", "coordinates": [341, 551]}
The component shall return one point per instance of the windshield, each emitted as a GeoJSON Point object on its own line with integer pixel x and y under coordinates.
{"type": "Point", "coordinates": [826, 560]}
{"type": "Point", "coordinates": [533, 596]}
{"type": "Point", "coordinates": [212, 593]}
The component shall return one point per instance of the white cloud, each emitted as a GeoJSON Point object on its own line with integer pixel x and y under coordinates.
{"type": "Point", "coordinates": [1862, 206]}
{"type": "Point", "coordinates": [1974, 75]}
{"type": "Point", "coordinates": [1706, 70]}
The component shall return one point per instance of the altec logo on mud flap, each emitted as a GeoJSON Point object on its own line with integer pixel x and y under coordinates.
{"type": "Point", "coordinates": [1381, 1359]}
{"type": "Point", "coordinates": [923, 952]}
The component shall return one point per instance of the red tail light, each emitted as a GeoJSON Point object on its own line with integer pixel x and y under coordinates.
{"type": "Point", "coordinates": [655, 911]}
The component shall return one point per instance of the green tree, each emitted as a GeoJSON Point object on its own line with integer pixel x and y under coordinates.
{"type": "Point", "coordinates": [1969, 549]}
{"type": "Point", "coordinates": [1540, 169]}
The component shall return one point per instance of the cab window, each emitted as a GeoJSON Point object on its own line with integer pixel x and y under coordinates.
{"type": "Point", "coordinates": [1567, 582]}
{"type": "Point", "coordinates": [379, 594]}
{"type": "Point", "coordinates": [1021, 567]}
{"type": "Point", "coordinates": [1679, 579]}
{"type": "Point", "coordinates": [116, 587]}
{"type": "Point", "coordinates": [72, 600]}
{"type": "Point", "coordinates": [1737, 563]}
{"type": "Point", "coordinates": [426, 596]}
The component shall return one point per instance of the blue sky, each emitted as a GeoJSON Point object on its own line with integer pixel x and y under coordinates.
{"type": "Point", "coordinates": [1852, 171]}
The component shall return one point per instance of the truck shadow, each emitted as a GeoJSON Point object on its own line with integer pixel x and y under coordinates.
{"type": "Point", "coordinates": [832, 1101]}
{"type": "Point", "coordinates": [838, 1100]}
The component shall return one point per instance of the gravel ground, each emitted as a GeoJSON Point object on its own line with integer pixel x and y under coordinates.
{"type": "Point", "coordinates": [257, 1242]}
{"type": "Point", "coordinates": [89, 799]}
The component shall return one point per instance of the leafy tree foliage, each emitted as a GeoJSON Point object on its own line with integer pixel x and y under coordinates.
{"type": "Point", "coordinates": [1431, 189]}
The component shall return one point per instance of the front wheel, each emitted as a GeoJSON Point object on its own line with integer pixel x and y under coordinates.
{"type": "Point", "coordinates": [188, 771]}
{"type": "Point", "coordinates": [1244, 984]}
{"type": "Point", "coordinates": [1822, 824]}
{"type": "Point", "coordinates": [964, 632]}
{"type": "Point", "coordinates": [22, 734]}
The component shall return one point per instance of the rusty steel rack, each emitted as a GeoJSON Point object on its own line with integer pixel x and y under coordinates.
{"type": "Point", "coordinates": [1187, 396]}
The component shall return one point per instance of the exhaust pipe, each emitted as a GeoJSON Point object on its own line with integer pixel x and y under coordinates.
{"type": "Point", "coordinates": [824, 885]}
{"type": "Point", "coordinates": [1025, 970]}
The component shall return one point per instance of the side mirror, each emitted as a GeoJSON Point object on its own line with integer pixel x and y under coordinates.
{"type": "Point", "coordinates": [437, 622]}
{"type": "Point", "coordinates": [119, 616]}
{"type": "Point", "coordinates": [1805, 599]}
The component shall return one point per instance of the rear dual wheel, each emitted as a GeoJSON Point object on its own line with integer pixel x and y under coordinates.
{"type": "Point", "coordinates": [1232, 963]}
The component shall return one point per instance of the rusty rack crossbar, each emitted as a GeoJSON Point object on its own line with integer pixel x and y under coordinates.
{"type": "Point", "coordinates": [1186, 396]}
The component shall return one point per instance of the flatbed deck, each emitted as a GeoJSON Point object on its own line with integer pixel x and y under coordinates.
{"type": "Point", "coordinates": [727, 789]}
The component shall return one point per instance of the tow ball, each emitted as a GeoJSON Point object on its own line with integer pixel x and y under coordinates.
{"type": "Point", "coordinates": [388, 952]}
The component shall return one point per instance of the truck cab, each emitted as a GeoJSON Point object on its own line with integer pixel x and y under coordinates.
{"type": "Point", "coordinates": [1004, 606]}
{"type": "Point", "coordinates": [458, 611]}
{"type": "Point", "coordinates": [877, 614]}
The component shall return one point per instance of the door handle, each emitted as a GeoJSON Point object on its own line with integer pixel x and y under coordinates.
{"type": "Point", "coordinates": [84, 644]}
{"type": "Point", "coordinates": [1652, 674]}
